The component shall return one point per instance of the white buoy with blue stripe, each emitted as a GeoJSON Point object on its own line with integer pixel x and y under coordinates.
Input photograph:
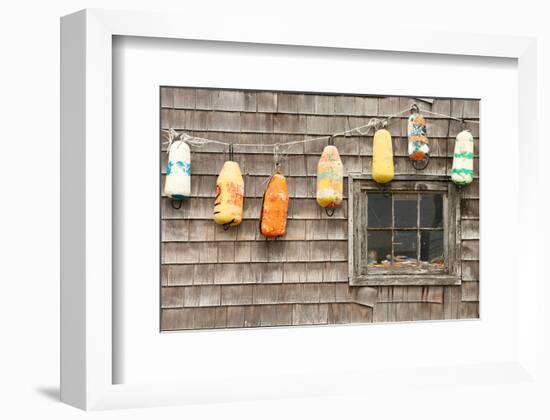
{"type": "Point", "coordinates": [178, 171]}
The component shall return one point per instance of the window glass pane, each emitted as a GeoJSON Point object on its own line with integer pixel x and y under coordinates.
{"type": "Point", "coordinates": [379, 247]}
{"type": "Point", "coordinates": [431, 210]}
{"type": "Point", "coordinates": [431, 247]}
{"type": "Point", "coordinates": [405, 210]}
{"type": "Point", "coordinates": [405, 247]}
{"type": "Point", "coordinates": [379, 211]}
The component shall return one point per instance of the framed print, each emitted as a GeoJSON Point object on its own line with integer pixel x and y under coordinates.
{"type": "Point", "coordinates": [245, 218]}
{"type": "Point", "coordinates": [407, 237]}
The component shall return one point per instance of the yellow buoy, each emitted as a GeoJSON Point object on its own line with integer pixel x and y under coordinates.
{"type": "Point", "coordinates": [382, 157]}
{"type": "Point", "coordinates": [330, 178]}
{"type": "Point", "coordinates": [228, 206]}
{"type": "Point", "coordinates": [274, 207]}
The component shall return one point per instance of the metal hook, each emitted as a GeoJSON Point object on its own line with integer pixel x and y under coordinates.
{"type": "Point", "coordinates": [276, 156]}
{"type": "Point", "coordinates": [424, 165]}
{"type": "Point", "coordinates": [331, 141]}
{"type": "Point", "coordinates": [173, 204]}
{"type": "Point", "coordinates": [231, 152]}
{"type": "Point", "coordinates": [414, 109]}
{"type": "Point", "coordinates": [385, 190]}
{"type": "Point", "coordinates": [329, 211]}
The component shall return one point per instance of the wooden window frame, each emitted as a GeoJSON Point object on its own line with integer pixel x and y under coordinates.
{"type": "Point", "coordinates": [359, 186]}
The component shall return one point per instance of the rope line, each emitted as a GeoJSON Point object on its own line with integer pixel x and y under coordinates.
{"type": "Point", "coordinates": [362, 130]}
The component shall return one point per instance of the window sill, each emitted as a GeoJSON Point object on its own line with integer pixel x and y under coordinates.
{"type": "Point", "coordinates": [405, 280]}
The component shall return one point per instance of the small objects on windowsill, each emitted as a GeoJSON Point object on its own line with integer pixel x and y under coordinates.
{"type": "Point", "coordinates": [401, 261]}
{"type": "Point", "coordinates": [372, 257]}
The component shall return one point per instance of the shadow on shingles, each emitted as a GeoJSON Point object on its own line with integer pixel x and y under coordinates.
{"type": "Point", "coordinates": [50, 392]}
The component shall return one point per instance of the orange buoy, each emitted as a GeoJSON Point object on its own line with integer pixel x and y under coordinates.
{"type": "Point", "coordinates": [274, 210]}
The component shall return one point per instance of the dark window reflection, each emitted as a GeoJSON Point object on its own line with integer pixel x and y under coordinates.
{"type": "Point", "coordinates": [405, 208]}
{"type": "Point", "coordinates": [379, 211]}
{"type": "Point", "coordinates": [431, 210]}
{"type": "Point", "coordinates": [431, 246]}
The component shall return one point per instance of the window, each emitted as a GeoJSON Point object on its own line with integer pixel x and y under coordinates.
{"type": "Point", "coordinates": [405, 235]}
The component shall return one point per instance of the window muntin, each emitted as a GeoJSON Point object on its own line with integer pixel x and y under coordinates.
{"type": "Point", "coordinates": [405, 231]}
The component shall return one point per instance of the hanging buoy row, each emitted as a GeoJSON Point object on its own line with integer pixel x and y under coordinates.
{"type": "Point", "coordinates": [229, 201]}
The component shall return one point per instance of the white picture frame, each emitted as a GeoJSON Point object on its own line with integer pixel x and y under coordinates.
{"type": "Point", "coordinates": [86, 188]}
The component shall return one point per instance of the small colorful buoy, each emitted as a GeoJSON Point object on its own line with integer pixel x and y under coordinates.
{"type": "Point", "coordinates": [178, 171]}
{"type": "Point", "coordinates": [419, 149]}
{"type": "Point", "coordinates": [382, 157]}
{"type": "Point", "coordinates": [228, 206]}
{"type": "Point", "coordinates": [274, 210]}
{"type": "Point", "coordinates": [463, 159]}
{"type": "Point", "coordinates": [330, 178]}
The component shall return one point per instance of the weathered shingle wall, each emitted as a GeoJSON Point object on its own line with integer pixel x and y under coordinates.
{"type": "Point", "coordinates": [213, 278]}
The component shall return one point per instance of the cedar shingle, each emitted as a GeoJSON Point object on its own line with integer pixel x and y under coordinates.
{"type": "Point", "coordinates": [166, 97]}
{"type": "Point", "coordinates": [323, 104]}
{"type": "Point", "coordinates": [470, 270]}
{"type": "Point", "coordinates": [176, 319]}
{"type": "Point", "coordinates": [470, 250]}
{"type": "Point", "coordinates": [339, 313]}
{"type": "Point", "coordinates": [235, 316]}
{"type": "Point", "coordinates": [200, 230]}
{"type": "Point", "coordinates": [295, 273]}
{"type": "Point", "coordinates": [177, 275]}
{"type": "Point", "coordinates": [236, 295]}
{"type": "Point", "coordinates": [305, 314]}
{"type": "Point", "coordinates": [242, 251]}
{"type": "Point", "coordinates": [172, 297]}
{"type": "Point", "coordinates": [468, 310]}
{"type": "Point", "coordinates": [267, 101]}
{"type": "Point", "coordinates": [184, 97]}
{"type": "Point", "coordinates": [209, 295]}
{"type": "Point", "coordinates": [315, 272]}
{"type": "Point", "coordinates": [204, 317]}
{"type": "Point", "coordinates": [361, 314]}
{"type": "Point", "coordinates": [226, 252]}
{"type": "Point", "coordinates": [252, 316]}
{"type": "Point", "coordinates": [470, 291]}
{"type": "Point", "coordinates": [469, 209]}
{"type": "Point", "coordinates": [335, 272]}
{"type": "Point", "coordinates": [271, 273]}
{"type": "Point", "coordinates": [208, 251]}
{"type": "Point", "coordinates": [204, 273]}
{"type": "Point", "coordinates": [266, 293]}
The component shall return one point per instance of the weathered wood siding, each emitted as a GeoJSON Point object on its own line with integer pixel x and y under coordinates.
{"type": "Point", "coordinates": [213, 278]}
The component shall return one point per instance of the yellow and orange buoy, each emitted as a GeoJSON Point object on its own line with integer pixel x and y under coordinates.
{"type": "Point", "coordinates": [228, 206]}
{"type": "Point", "coordinates": [274, 210]}
{"type": "Point", "coordinates": [330, 178]}
{"type": "Point", "coordinates": [382, 157]}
